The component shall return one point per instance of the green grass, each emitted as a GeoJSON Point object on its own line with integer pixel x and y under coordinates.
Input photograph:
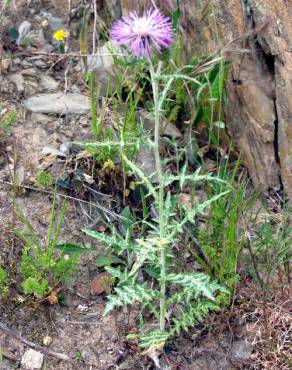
{"type": "Point", "coordinates": [7, 121]}
{"type": "Point", "coordinates": [42, 268]}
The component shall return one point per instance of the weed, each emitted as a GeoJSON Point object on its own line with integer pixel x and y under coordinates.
{"type": "Point", "coordinates": [222, 237]}
{"type": "Point", "coordinates": [3, 282]}
{"type": "Point", "coordinates": [7, 119]}
{"type": "Point", "coordinates": [43, 269]}
{"type": "Point", "coordinates": [192, 293]}
{"type": "Point", "coordinates": [43, 179]}
{"type": "Point", "coordinates": [270, 251]}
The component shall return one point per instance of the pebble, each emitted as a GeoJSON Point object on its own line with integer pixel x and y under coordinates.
{"type": "Point", "coordinates": [47, 340]}
{"type": "Point", "coordinates": [23, 30]}
{"type": "Point", "coordinates": [32, 360]}
{"type": "Point", "coordinates": [36, 38]}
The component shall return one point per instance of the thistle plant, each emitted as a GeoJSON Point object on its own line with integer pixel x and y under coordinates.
{"type": "Point", "coordinates": [176, 299]}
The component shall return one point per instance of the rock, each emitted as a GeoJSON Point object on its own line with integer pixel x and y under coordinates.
{"type": "Point", "coordinates": [103, 65]}
{"type": "Point", "coordinates": [145, 160]}
{"type": "Point", "coordinates": [241, 351]}
{"type": "Point", "coordinates": [65, 148]}
{"type": "Point", "coordinates": [48, 83]}
{"type": "Point", "coordinates": [167, 128]}
{"type": "Point", "coordinates": [5, 64]}
{"type": "Point", "coordinates": [47, 340]}
{"type": "Point", "coordinates": [40, 64]}
{"type": "Point", "coordinates": [40, 118]}
{"type": "Point", "coordinates": [36, 38]}
{"type": "Point", "coordinates": [23, 30]}
{"type": "Point", "coordinates": [47, 150]}
{"type": "Point", "coordinates": [6, 87]}
{"type": "Point", "coordinates": [18, 80]}
{"type": "Point", "coordinates": [48, 20]}
{"type": "Point", "coordinates": [58, 103]}
{"type": "Point", "coordinates": [32, 360]}
{"type": "Point", "coordinates": [55, 23]}
{"type": "Point", "coordinates": [31, 72]}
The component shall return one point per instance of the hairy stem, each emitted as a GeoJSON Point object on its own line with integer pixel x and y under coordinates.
{"type": "Point", "coordinates": [159, 169]}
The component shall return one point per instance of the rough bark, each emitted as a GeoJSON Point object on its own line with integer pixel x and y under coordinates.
{"type": "Point", "coordinates": [259, 108]}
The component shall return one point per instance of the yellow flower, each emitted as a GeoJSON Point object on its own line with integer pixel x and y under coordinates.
{"type": "Point", "coordinates": [108, 165]}
{"type": "Point", "coordinates": [60, 35]}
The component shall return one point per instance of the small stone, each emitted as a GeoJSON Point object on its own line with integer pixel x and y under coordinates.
{"type": "Point", "coordinates": [32, 359]}
{"type": "Point", "coordinates": [145, 160]}
{"type": "Point", "coordinates": [45, 23]}
{"type": "Point", "coordinates": [103, 64]}
{"type": "Point", "coordinates": [84, 121]}
{"type": "Point", "coordinates": [48, 83]}
{"type": "Point", "coordinates": [58, 103]}
{"type": "Point", "coordinates": [31, 72]}
{"type": "Point", "coordinates": [23, 30]}
{"type": "Point", "coordinates": [48, 21]}
{"type": "Point", "coordinates": [82, 308]}
{"type": "Point", "coordinates": [17, 61]}
{"type": "Point", "coordinates": [241, 351]}
{"type": "Point", "coordinates": [40, 118]}
{"type": "Point", "coordinates": [167, 128]}
{"type": "Point", "coordinates": [65, 147]}
{"type": "Point", "coordinates": [47, 150]}
{"type": "Point", "coordinates": [47, 340]}
{"type": "Point", "coordinates": [5, 63]}
{"type": "Point", "coordinates": [18, 80]}
{"type": "Point", "coordinates": [36, 38]}
{"type": "Point", "coordinates": [40, 63]}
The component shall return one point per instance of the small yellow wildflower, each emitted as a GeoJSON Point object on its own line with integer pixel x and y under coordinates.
{"type": "Point", "coordinates": [60, 35]}
{"type": "Point", "coordinates": [108, 165]}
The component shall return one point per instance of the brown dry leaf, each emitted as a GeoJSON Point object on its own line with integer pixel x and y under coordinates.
{"type": "Point", "coordinates": [53, 297]}
{"type": "Point", "coordinates": [102, 283]}
{"type": "Point", "coordinates": [6, 352]}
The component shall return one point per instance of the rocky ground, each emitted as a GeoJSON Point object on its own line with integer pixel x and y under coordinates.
{"type": "Point", "coordinates": [51, 100]}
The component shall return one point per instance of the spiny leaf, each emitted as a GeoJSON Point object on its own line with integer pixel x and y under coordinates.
{"type": "Point", "coordinates": [154, 339]}
{"type": "Point", "coordinates": [196, 282]}
{"type": "Point", "coordinates": [128, 294]}
{"type": "Point", "coordinates": [191, 315]}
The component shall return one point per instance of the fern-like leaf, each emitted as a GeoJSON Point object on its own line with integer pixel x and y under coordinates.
{"type": "Point", "coordinates": [193, 313]}
{"type": "Point", "coordinates": [128, 294]}
{"type": "Point", "coordinates": [196, 282]}
{"type": "Point", "coordinates": [153, 340]}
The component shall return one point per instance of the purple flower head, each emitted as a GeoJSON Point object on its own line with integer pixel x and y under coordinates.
{"type": "Point", "coordinates": [139, 34]}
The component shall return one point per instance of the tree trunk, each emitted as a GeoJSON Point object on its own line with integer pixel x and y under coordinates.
{"type": "Point", "coordinates": [258, 112]}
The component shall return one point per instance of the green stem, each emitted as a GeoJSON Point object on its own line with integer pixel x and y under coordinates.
{"type": "Point", "coordinates": [92, 87]}
{"type": "Point", "coordinates": [159, 168]}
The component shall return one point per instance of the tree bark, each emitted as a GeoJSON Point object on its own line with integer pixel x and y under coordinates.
{"type": "Point", "coordinates": [258, 112]}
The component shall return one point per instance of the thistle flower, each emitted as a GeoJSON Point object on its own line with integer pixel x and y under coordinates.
{"type": "Point", "coordinates": [60, 35]}
{"type": "Point", "coordinates": [140, 33]}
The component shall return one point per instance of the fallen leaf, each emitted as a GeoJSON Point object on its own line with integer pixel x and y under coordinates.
{"type": "Point", "coordinates": [102, 283]}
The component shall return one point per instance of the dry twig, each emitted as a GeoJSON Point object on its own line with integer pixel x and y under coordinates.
{"type": "Point", "coordinates": [35, 346]}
